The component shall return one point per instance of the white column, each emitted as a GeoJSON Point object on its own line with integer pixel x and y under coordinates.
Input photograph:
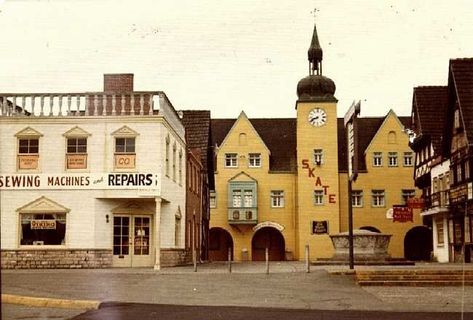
{"type": "Point", "coordinates": [157, 234]}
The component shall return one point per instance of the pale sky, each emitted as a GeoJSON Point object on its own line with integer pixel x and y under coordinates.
{"type": "Point", "coordinates": [229, 56]}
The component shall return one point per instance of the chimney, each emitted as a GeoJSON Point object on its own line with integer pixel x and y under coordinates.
{"type": "Point", "coordinates": [118, 82]}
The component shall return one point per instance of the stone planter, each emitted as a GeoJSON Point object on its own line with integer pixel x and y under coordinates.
{"type": "Point", "coordinates": [367, 245]}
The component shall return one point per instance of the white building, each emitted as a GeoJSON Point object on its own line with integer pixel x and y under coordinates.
{"type": "Point", "coordinates": [88, 181]}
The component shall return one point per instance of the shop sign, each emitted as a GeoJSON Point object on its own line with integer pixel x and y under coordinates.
{"type": "Point", "coordinates": [125, 161]}
{"type": "Point", "coordinates": [402, 214]}
{"type": "Point", "coordinates": [461, 193]}
{"type": "Point", "coordinates": [81, 181]}
{"type": "Point", "coordinates": [76, 161]}
{"type": "Point", "coordinates": [415, 203]}
{"type": "Point", "coordinates": [28, 162]}
{"type": "Point", "coordinates": [320, 227]}
{"type": "Point", "coordinates": [43, 224]}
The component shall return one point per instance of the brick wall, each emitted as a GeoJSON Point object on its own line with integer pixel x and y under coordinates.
{"type": "Point", "coordinates": [118, 83]}
{"type": "Point", "coordinates": [57, 259]}
{"type": "Point", "coordinates": [175, 257]}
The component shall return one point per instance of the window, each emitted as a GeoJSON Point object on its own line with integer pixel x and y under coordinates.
{"type": "Point", "coordinates": [125, 157]}
{"type": "Point", "coordinates": [180, 166]}
{"type": "Point", "coordinates": [248, 198]}
{"type": "Point", "coordinates": [377, 159]}
{"type": "Point", "coordinates": [277, 198]}
{"type": "Point", "coordinates": [76, 156]}
{"type": "Point", "coordinates": [255, 160]}
{"type": "Point", "coordinates": [231, 160]}
{"type": "Point", "coordinates": [459, 172]}
{"type": "Point", "coordinates": [318, 197]}
{"type": "Point", "coordinates": [177, 231]}
{"type": "Point", "coordinates": [318, 156]}
{"type": "Point", "coordinates": [357, 198]}
{"type": "Point", "coordinates": [43, 229]}
{"type": "Point", "coordinates": [28, 153]}
{"type": "Point", "coordinates": [467, 170]}
{"type": "Point", "coordinates": [456, 120]}
{"type": "Point", "coordinates": [242, 139]}
{"type": "Point", "coordinates": [406, 194]}
{"type": "Point", "coordinates": [213, 199]}
{"type": "Point", "coordinates": [174, 159]}
{"type": "Point", "coordinates": [168, 142]}
{"type": "Point", "coordinates": [378, 198]}
{"type": "Point", "coordinates": [392, 159]}
{"type": "Point", "coordinates": [392, 137]}
{"type": "Point", "coordinates": [440, 236]}
{"type": "Point", "coordinates": [408, 159]}
{"type": "Point", "coordinates": [236, 199]}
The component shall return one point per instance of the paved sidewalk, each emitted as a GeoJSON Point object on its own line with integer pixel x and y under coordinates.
{"type": "Point", "coordinates": [287, 286]}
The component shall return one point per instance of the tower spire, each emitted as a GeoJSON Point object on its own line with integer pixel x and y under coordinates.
{"type": "Point", "coordinates": [315, 54]}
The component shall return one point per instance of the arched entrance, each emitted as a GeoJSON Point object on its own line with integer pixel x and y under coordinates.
{"type": "Point", "coordinates": [220, 241]}
{"type": "Point", "coordinates": [370, 228]}
{"type": "Point", "coordinates": [418, 244]}
{"type": "Point", "coordinates": [270, 238]}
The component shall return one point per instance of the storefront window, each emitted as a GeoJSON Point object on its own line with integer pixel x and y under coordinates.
{"type": "Point", "coordinates": [43, 229]}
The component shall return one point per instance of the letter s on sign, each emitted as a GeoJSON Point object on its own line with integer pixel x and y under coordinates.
{"type": "Point", "coordinates": [305, 164]}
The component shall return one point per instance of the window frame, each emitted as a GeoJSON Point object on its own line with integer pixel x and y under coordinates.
{"type": "Point", "coordinates": [408, 155]}
{"type": "Point", "coordinates": [393, 159]}
{"type": "Point", "coordinates": [228, 161]}
{"type": "Point", "coordinates": [318, 198]}
{"type": "Point", "coordinates": [33, 155]}
{"type": "Point", "coordinates": [376, 196]}
{"type": "Point", "coordinates": [357, 194]}
{"type": "Point", "coordinates": [213, 195]}
{"type": "Point", "coordinates": [318, 156]}
{"type": "Point", "coordinates": [254, 160]}
{"type": "Point", "coordinates": [277, 200]}
{"type": "Point", "coordinates": [377, 156]}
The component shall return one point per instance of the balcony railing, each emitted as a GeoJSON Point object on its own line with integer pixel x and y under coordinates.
{"type": "Point", "coordinates": [80, 104]}
{"type": "Point", "coordinates": [243, 215]}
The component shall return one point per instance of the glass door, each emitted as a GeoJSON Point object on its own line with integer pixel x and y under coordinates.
{"type": "Point", "coordinates": [121, 241]}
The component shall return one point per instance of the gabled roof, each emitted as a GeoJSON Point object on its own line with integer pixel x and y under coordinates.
{"type": "Point", "coordinates": [461, 74]}
{"type": "Point", "coordinates": [278, 134]}
{"type": "Point", "coordinates": [429, 106]}
{"type": "Point", "coordinates": [197, 125]}
{"type": "Point", "coordinates": [367, 129]}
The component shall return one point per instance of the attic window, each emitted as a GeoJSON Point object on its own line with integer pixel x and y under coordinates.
{"type": "Point", "coordinates": [242, 139]}
{"type": "Point", "coordinates": [392, 137]}
{"type": "Point", "coordinates": [457, 119]}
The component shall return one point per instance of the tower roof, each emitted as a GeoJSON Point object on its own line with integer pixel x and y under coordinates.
{"type": "Point", "coordinates": [315, 53]}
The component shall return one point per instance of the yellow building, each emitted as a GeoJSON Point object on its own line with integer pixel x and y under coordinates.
{"type": "Point", "coordinates": [281, 184]}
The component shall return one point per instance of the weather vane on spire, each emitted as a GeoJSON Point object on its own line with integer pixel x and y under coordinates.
{"type": "Point", "coordinates": [314, 12]}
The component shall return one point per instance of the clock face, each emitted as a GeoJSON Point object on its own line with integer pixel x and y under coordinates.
{"type": "Point", "coordinates": [317, 117]}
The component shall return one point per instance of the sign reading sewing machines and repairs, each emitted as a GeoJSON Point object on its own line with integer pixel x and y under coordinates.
{"type": "Point", "coordinates": [320, 227]}
{"type": "Point", "coordinates": [402, 214]}
{"type": "Point", "coordinates": [80, 181]}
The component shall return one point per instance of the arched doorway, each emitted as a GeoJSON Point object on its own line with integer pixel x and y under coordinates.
{"type": "Point", "coordinates": [220, 241]}
{"type": "Point", "coordinates": [370, 228]}
{"type": "Point", "coordinates": [270, 238]}
{"type": "Point", "coordinates": [418, 244]}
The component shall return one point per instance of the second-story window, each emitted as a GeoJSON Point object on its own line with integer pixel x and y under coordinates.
{"type": "Point", "coordinates": [277, 198]}
{"type": "Point", "coordinates": [318, 156]}
{"type": "Point", "coordinates": [459, 172]}
{"type": "Point", "coordinates": [254, 160]}
{"type": "Point", "coordinates": [392, 159]}
{"type": "Point", "coordinates": [76, 157]}
{"type": "Point", "coordinates": [28, 153]}
{"type": "Point", "coordinates": [378, 198]}
{"type": "Point", "coordinates": [248, 198]}
{"type": "Point", "coordinates": [180, 166]}
{"type": "Point", "coordinates": [407, 194]}
{"type": "Point", "coordinates": [125, 156]}
{"type": "Point", "coordinates": [231, 160]}
{"type": "Point", "coordinates": [357, 198]}
{"type": "Point", "coordinates": [174, 160]}
{"type": "Point", "coordinates": [377, 159]}
{"type": "Point", "coordinates": [236, 198]}
{"type": "Point", "coordinates": [408, 159]}
{"type": "Point", "coordinates": [213, 199]}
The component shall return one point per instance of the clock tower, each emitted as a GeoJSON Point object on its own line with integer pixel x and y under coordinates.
{"type": "Point", "coordinates": [318, 211]}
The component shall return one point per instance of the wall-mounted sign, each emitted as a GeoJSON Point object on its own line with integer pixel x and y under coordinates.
{"type": "Point", "coordinates": [80, 181]}
{"type": "Point", "coordinates": [76, 161]}
{"type": "Point", "coordinates": [125, 161]}
{"type": "Point", "coordinates": [43, 224]}
{"type": "Point", "coordinates": [415, 203]}
{"type": "Point", "coordinates": [402, 214]}
{"type": "Point", "coordinates": [320, 227]}
{"type": "Point", "coordinates": [461, 193]}
{"type": "Point", "coordinates": [272, 224]}
{"type": "Point", "coordinates": [28, 162]}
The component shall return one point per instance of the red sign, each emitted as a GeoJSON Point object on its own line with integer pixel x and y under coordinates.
{"type": "Point", "coordinates": [402, 214]}
{"type": "Point", "coordinates": [415, 203]}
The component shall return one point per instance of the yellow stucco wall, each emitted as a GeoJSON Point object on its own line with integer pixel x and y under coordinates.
{"type": "Point", "coordinates": [299, 211]}
{"type": "Point", "coordinates": [390, 179]}
{"type": "Point", "coordinates": [312, 177]}
{"type": "Point", "coordinates": [243, 234]}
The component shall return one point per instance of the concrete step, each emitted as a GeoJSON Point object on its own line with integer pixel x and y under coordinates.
{"type": "Point", "coordinates": [414, 277]}
{"type": "Point", "coordinates": [415, 283]}
{"type": "Point", "coordinates": [414, 272]}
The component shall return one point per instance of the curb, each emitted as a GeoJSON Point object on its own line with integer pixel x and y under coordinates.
{"type": "Point", "coordinates": [50, 302]}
